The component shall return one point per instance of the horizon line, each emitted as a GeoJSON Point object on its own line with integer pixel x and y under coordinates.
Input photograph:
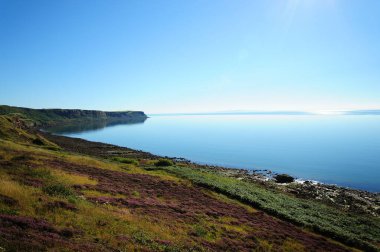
{"type": "Point", "coordinates": [276, 112]}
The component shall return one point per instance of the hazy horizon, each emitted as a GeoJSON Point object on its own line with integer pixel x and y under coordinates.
{"type": "Point", "coordinates": [279, 112]}
{"type": "Point", "coordinates": [375, 111]}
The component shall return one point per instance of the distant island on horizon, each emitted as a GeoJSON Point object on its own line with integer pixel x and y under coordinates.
{"type": "Point", "coordinates": [288, 112]}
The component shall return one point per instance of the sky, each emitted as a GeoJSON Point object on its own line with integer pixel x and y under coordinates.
{"type": "Point", "coordinates": [190, 56]}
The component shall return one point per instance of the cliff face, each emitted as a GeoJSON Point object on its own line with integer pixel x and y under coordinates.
{"type": "Point", "coordinates": [125, 114]}
{"type": "Point", "coordinates": [51, 117]}
{"type": "Point", "coordinates": [94, 114]}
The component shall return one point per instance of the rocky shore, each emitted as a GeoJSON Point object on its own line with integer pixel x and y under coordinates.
{"type": "Point", "coordinates": [347, 199]}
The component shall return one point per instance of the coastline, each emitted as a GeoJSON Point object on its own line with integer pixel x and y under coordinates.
{"type": "Point", "coordinates": [155, 178]}
{"type": "Point", "coordinates": [344, 198]}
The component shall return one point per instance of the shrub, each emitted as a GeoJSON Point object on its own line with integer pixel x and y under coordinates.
{"type": "Point", "coordinates": [135, 194]}
{"type": "Point", "coordinates": [283, 178]}
{"type": "Point", "coordinates": [57, 190]}
{"type": "Point", "coordinates": [38, 141]}
{"type": "Point", "coordinates": [164, 162]}
{"type": "Point", "coordinates": [142, 238]}
{"type": "Point", "coordinates": [199, 231]}
{"type": "Point", "coordinates": [126, 160]}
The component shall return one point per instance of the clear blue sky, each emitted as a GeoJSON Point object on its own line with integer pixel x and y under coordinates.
{"type": "Point", "coordinates": [190, 56]}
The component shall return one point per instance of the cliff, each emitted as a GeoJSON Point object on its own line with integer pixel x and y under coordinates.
{"type": "Point", "coordinates": [53, 117]}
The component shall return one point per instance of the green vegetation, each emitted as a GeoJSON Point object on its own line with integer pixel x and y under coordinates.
{"type": "Point", "coordinates": [163, 162]}
{"type": "Point", "coordinates": [57, 190]}
{"type": "Point", "coordinates": [362, 231]}
{"type": "Point", "coordinates": [31, 188]}
{"type": "Point", "coordinates": [126, 160]}
{"type": "Point", "coordinates": [52, 117]}
{"type": "Point", "coordinates": [12, 128]}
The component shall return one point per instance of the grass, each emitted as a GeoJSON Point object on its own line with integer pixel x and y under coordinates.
{"type": "Point", "coordinates": [24, 195]}
{"type": "Point", "coordinates": [73, 179]}
{"type": "Point", "coordinates": [292, 245]}
{"type": "Point", "coordinates": [93, 162]}
{"type": "Point", "coordinates": [103, 223]}
{"type": "Point", "coordinates": [361, 231]}
{"type": "Point", "coordinates": [11, 128]}
{"type": "Point", "coordinates": [353, 230]}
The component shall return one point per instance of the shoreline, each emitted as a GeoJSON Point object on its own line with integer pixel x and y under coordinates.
{"type": "Point", "coordinates": [258, 174]}
{"type": "Point", "coordinates": [344, 198]}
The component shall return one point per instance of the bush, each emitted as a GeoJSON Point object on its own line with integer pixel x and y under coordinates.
{"type": "Point", "coordinates": [164, 162]}
{"type": "Point", "coordinates": [283, 178]}
{"type": "Point", "coordinates": [200, 231]}
{"type": "Point", "coordinates": [38, 141]}
{"type": "Point", "coordinates": [126, 160]}
{"type": "Point", "coordinates": [57, 190]}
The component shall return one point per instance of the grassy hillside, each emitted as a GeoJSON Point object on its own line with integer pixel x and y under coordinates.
{"type": "Point", "coordinates": [55, 200]}
{"type": "Point", "coordinates": [358, 230]}
{"type": "Point", "coordinates": [50, 117]}
{"type": "Point", "coordinates": [13, 128]}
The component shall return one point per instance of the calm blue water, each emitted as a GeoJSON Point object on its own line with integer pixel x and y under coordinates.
{"type": "Point", "coordinates": [343, 150]}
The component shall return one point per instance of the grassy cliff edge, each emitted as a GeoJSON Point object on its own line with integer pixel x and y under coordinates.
{"type": "Point", "coordinates": [52, 117]}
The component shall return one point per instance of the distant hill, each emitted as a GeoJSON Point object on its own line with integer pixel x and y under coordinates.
{"type": "Point", "coordinates": [238, 113]}
{"type": "Point", "coordinates": [363, 112]}
{"type": "Point", "coordinates": [52, 117]}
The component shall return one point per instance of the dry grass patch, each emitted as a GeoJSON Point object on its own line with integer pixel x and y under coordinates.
{"type": "Point", "coordinates": [72, 179]}
{"type": "Point", "coordinates": [25, 196]}
{"type": "Point", "coordinates": [88, 161]}
{"type": "Point", "coordinates": [291, 245]}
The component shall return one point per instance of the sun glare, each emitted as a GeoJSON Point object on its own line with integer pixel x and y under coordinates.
{"type": "Point", "coordinates": [327, 112]}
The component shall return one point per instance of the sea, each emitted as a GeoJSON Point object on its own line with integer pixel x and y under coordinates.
{"type": "Point", "coordinates": [334, 149]}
